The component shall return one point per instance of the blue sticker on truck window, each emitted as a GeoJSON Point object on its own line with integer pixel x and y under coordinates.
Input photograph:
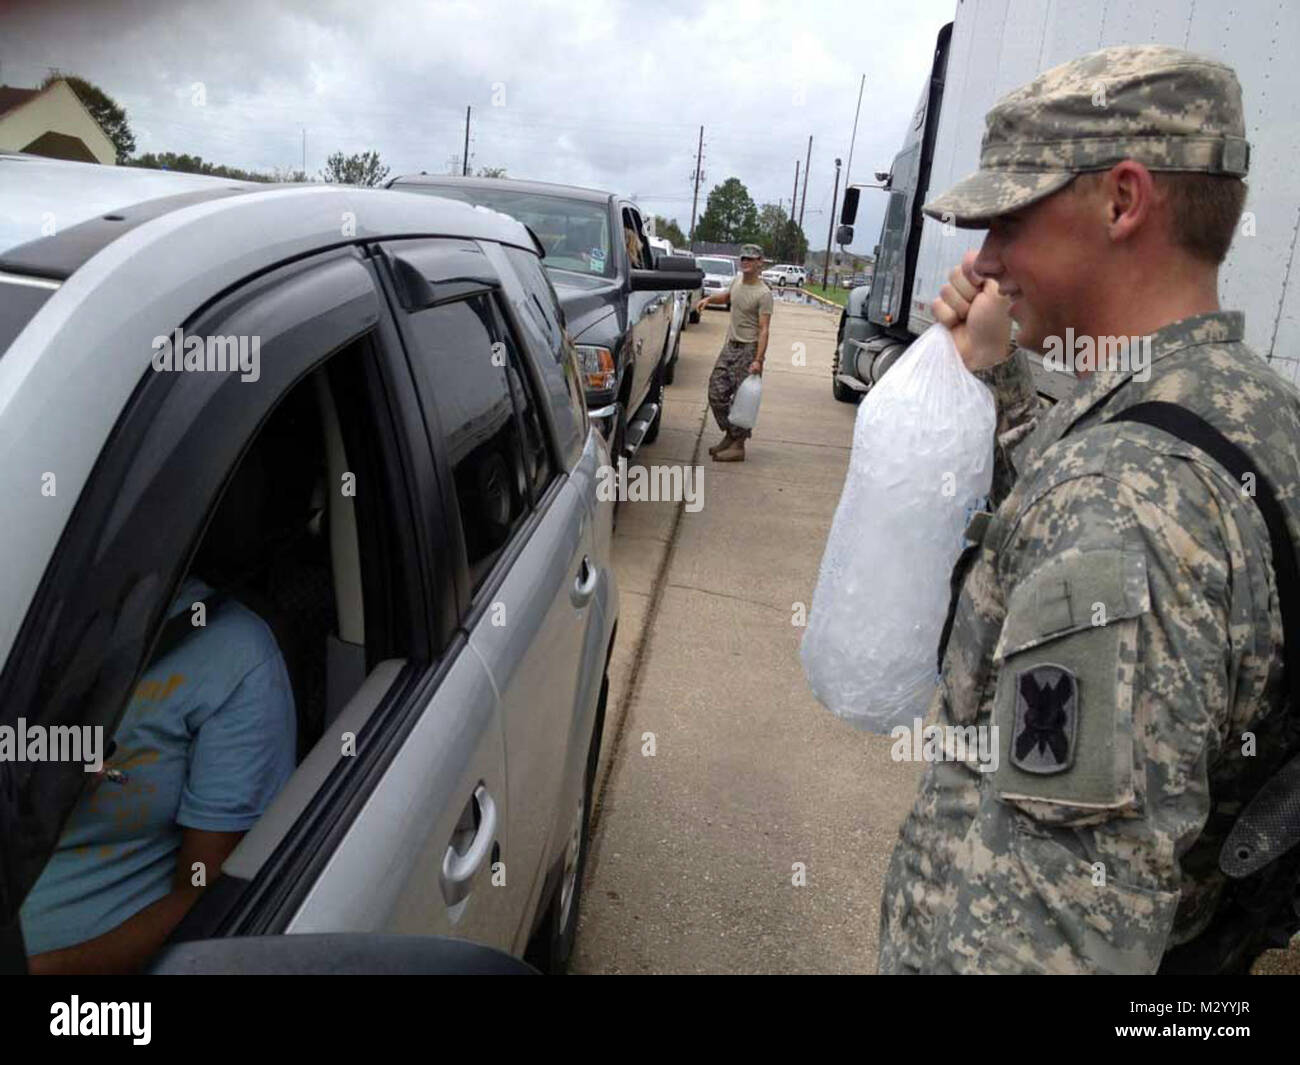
{"type": "Point", "coordinates": [597, 257]}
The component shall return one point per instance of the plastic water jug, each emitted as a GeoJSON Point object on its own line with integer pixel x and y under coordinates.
{"type": "Point", "coordinates": [744, 407]}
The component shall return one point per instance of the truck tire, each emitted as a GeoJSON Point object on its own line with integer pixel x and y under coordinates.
{"type": "Point", "coordinates": [670, 371]}
{"type": "Point", "coordinates": [552, 944]}
{"type": "Point", "coordinates": [843, 393]}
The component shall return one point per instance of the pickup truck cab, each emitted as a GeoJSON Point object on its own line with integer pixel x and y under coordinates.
{"type": "Point", "coordinates": [615, 292]}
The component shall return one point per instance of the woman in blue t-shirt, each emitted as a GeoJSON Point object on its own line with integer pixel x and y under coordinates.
{"type": "Point", "coordinates": [205, 745]}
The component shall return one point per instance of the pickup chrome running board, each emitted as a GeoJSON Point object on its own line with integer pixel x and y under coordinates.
{"type": "Point", "coordinates": [638, 427]}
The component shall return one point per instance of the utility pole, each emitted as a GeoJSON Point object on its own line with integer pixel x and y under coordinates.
{"type": "Point", "coordinates": [826, 270]}
{"type": "Point", "coordinates": [807, 171]}
{"type": "Point", "coordinates": [695, 199]}
{"type": "Point", "coordinates": [304, 153]}
{"type": "Point", "coordinates": [465, 166]}
{"type": "Point", "coordinates": [794, 199]}
{"type": "Point", "coordinates": [848, 170]}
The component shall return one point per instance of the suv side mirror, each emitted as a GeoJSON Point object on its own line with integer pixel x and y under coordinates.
{"type": "Point", "coordinates": [849, 213]}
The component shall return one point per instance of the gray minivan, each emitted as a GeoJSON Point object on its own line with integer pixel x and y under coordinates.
{"type": "Point", "coordinates": [301, 527]}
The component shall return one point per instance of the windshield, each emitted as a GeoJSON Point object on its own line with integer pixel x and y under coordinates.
{"type": "Point", "coordinates": [575, 233]}
{"type": "Point", "coordinates": [716, 266]}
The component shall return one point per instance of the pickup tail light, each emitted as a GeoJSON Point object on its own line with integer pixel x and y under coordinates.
{"type": "Point", "coordinates": [597, 367]}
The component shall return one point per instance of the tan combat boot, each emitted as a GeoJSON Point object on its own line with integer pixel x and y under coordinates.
{"type": "Point", "coordinates": [734, 453]}
{"type": "Point", "coordinates": [721, 444]}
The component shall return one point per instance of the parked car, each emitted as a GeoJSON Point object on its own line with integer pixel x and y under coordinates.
{"type": "Point", "coordinates": [617, 300]}
{"type": "Point", "coordinates": [692, 295]}
{"type": "Point", "coordinates": [785, 274]}
{"type": "Point", "coordinates": [679, 314]}
{"type": "Point", "coordinates": [444, 625]}
{"type": "Point", "coordinates": [719, 272]}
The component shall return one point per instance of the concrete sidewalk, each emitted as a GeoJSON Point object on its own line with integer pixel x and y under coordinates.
{"type": "Point", "coordinates": [696, 846]}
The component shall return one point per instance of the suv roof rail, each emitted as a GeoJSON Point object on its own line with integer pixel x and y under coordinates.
{"type": "Point", "coordinates": [61, 255]}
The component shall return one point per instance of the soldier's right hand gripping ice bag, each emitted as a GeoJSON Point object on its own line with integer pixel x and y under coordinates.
{"type": "Point", "coordinates": [921, 464]}
{"type": "Point", "coordinates": [744, 405]}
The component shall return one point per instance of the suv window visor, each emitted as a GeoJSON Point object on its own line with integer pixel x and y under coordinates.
{"type": "Point", "coordinates": [716, 266]}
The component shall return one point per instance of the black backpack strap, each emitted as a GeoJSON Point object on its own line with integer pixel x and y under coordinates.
{"type": "Point", "coordinates": [1269, 826]}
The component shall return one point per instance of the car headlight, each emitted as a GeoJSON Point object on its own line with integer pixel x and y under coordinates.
{"type": "Point", "coordinates": [597, 366]}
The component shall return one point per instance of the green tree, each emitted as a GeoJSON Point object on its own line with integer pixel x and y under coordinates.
{"type": "Point", "coordinates": [491, 171]}
{"type": "Point", "coordinates": [771, 221]}
{"type": "Point", "coordinates": [110, 115]}
{"type": "Point", "coordinates": [194, 164]}
{"type": "Point", "coordinates": [791, 244]}
{"type": "Point", "coordinates": [364, 168]}
{"type": "Point", "coordinates": [730, 216]}
{"type": "Point", "coordinates": [779, 235]}
{"type": "Point", "coordinates": [670, 231]}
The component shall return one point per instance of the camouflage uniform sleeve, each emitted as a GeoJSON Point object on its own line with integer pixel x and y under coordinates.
{"type": "Point", "coordinates": [1111, 678]}
{"type": "Point", "coordinates": [1017, 403]}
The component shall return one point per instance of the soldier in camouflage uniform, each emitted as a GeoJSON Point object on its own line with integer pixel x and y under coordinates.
{"type": "Point", "coordinates": [744, 351]}
{"type": "Point", "coordinates": [1119, 620]}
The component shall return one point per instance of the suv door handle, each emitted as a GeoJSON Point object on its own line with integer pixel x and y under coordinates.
{"type": "Point", "coordinates": [459, 870]}
{"type": "Point", "coordinates": [585, 583]}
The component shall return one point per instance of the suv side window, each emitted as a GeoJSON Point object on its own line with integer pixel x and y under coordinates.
{"type": "Point", "coordinates": [204, 742]}
{"type": "Point", "coordinates": [538, 466]}
{"type": "Point", "coordinates": [465, 377]}
{"type": "Point", "coordinates": [542, 309]}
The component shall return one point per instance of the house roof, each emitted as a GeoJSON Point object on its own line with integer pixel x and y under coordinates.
{"type": "Point", "coordinates": [11, 97]}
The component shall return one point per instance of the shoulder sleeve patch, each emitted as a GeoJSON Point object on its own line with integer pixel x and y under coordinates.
{"type": "Point", "coordinates": [1067, 660]}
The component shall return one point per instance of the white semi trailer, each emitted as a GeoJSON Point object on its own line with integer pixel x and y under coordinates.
{"type": "Point", "coordinates": [991, 47]}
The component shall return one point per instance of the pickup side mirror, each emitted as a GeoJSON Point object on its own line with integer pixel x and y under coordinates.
{"type": "Point", "coordinates": [844, 235]}
{"type": "Point", "coordinates": [671, 272]}
{"type": "Point", "coordinates": [849, 213]}
{"type": "Point", "coordinates": [354, 954]}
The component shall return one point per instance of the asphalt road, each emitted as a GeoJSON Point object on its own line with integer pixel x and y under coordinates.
{"type": "Point", "coordinates": [698, 844]}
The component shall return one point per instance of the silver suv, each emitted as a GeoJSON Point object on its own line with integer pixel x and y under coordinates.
{"type": "Point", "coordinates": [301, 530]}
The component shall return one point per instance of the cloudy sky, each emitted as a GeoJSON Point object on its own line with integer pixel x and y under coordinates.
{"type": "Point", "coordinates": [605, 94]}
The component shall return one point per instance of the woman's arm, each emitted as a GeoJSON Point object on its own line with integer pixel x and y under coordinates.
{"type": "Point", "coordinates": [129, 946]}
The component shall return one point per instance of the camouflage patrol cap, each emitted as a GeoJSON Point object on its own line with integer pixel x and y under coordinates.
{"type": "Point", "coordinates": [751, 251]}
{"type": "Point", "coordinates": [1160, 106]}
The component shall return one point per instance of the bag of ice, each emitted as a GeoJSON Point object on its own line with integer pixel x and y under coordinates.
{"type": "Point", "coordinates": [921, 464]}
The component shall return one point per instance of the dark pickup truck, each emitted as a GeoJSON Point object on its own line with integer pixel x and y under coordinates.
{"type": "Point", "coordinates": [617, 297]}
